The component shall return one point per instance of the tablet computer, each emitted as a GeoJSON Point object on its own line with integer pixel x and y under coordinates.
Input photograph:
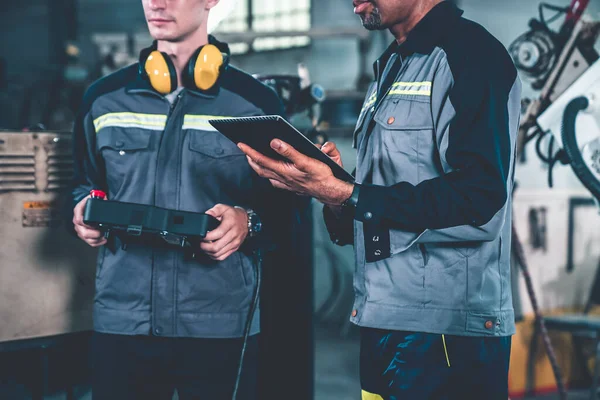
{"type": "Point", "coordinates": [258, 132]}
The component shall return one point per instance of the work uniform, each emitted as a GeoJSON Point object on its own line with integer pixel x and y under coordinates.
{"type": "Point", "coordinates": [160, 315]}
{"type": "Point", "coordinates": [431, 230]}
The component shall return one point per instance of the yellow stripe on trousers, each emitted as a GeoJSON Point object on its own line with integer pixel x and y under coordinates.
{"type": "Point", "coordinates": [370, 396]}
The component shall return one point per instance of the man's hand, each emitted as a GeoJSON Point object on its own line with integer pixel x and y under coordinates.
{"type": "Point", "coordinates": [303, 175]}
{"type": "Point", "coordinates": [229, 236]}
{"type": "Point", "coordinates": [88, 234]}
{"type": "Point", "coordinates": [331, 150]}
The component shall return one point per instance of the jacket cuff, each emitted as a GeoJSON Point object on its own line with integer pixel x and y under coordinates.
{"type": "Point", "coordinates": [341, 229]}
{"type": "Point", "coordinates": [374, 203]}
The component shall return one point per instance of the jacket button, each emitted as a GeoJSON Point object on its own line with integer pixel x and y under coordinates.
{"type": "Point", "coordinates": [354, 313]}
{"type": "Point", "coordinates": [489, 324]}
{"type": "Point", "coordinates": [122, 153]}
{"type": "Point", "coordinates": [391, 120]}
{"type": "Point", "coordinates": [158, 331]}
{"type": "Point", "coordinates": [376, 238]}
{"type": "Point", "coordinates": [377, 253]}
{"type": "Point", "coordinates": [368, 215]}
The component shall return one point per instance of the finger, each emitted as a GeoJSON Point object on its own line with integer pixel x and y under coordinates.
{"type": "Point", "coordinates": [225, 257]}
{"type": "Point", "coordinates": [281, 147]}
{"type": "Point", "coordinates": [219, 245]}
{"type": "Point", "coordinates": [266, 163]}
{"type": "Point", "coordinates": [232, 248]}
{"type": "Point", "coordinates": [95, 241]}
{"type": "Point", "coordinates": [329, 148]}
{"type": "Point", "coordinates": [226, 228]}
{"type": "Point", "coordinates": [84, 232]}
{"type": "Point", "coordinates": [262, 172]}
{"type": "Point", "coordinates": [89, 234]}
{"type": "Point", "coordinates": [98, 244]}
{"type": "Point", "coordinates": [218, 233]}
{"type": "Point", "coordinates": [82, 225]}
{"type": "Point", "coordinates": [218, 210]}
{"type": "Point", "coordinates": [229, 248]}
{"type": "Point", "coordinates": [280, 185]}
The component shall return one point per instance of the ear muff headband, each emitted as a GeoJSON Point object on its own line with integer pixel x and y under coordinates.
{"type": "Point", "coordinates": [205, 67]}
{"type": "Point", "coordinates": [160, 71]}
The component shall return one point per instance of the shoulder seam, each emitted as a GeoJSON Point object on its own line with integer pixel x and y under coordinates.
{"type": "Point", "coordinates": [107, 84]}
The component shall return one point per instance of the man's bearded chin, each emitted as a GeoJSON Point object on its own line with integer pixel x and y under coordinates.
{"type": "Point", "coordinates": [372, 21]}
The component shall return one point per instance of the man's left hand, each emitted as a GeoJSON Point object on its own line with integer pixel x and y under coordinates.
{"type": "Point", "coordinates": [302, 174]}
{"type": "Point", "coordinates": [229, 236]}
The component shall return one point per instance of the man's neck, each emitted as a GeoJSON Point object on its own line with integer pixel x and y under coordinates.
{"type": "Point", "coordinates": [180, 52]}
{"type": "Point", "coordinates": [402, 29]}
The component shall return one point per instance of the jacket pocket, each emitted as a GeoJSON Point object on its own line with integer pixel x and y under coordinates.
{"type": "Point", "coordinates": [405, 130]}
{"type": "Point", "coordinates": [124, 150]}
{"type": "Point", "coordinates": [246, 267]}
{"type": "Point", "coordinates": [400, 114]}
{"type": "Point", "coordinates": [445, 277]}
{"type": "Point", "coordinates": [212, 144]}
{"type": "Point", "coordinates": [206, 286]}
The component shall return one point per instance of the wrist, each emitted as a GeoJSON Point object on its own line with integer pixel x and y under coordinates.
{"type": "Point", "coordinates": [337, 192]}
{"type": "Point", "coordinates": [253, 222]}
{"type": "Point", "coordinates": [348, 207]}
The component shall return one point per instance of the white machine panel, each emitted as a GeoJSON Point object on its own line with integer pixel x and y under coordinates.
{"type": "Point", "coordinates": [588, 122]}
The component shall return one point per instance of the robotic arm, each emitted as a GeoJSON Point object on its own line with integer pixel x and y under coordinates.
{"type": "Point", "coordinates": [575, 121]}
{"type": "Point", "coordinates": [565, 66]}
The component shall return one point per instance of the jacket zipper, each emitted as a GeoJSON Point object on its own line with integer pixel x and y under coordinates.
{"type": "Point", "coordinates": [170, 112]}
{"type": "Point", "coordinates": [172, 108]}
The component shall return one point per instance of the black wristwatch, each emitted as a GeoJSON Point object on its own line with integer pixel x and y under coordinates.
{"type": "Point", "coordinates": [349, 205]}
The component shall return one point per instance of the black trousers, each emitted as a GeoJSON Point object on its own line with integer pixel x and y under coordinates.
{"type": "Point", "coordinates": [398, 365]}
{"type": "Point", "coordinates": [152, 368]}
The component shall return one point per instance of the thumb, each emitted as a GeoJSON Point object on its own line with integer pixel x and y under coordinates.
{"type": "Point", "coordinates": [289, 152]}
{"type": "Point", "coordinates": [217, 211]}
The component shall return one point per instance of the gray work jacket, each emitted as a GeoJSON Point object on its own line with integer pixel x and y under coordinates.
{"type": "Point", "coordinates": [133, 144]}
{"type": "Point", "coordinates": [436, 151]}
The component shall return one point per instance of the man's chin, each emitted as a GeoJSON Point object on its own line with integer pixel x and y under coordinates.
{"type": "Point", "coordinates": [372, 26]}
{"type": "Point", "coordinates": [162, 34]}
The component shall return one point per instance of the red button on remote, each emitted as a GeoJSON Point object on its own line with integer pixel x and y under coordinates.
{"type": "Point", "coordinates": [97, 194]}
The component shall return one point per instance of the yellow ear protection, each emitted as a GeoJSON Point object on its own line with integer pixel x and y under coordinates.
{"type": "Point", "coordinates": [202, 72]}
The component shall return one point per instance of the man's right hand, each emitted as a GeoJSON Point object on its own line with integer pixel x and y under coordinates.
{"type": "Point", "coordinates": [332, 151]}
{"type": "Point", "coordinates": [88, 234]}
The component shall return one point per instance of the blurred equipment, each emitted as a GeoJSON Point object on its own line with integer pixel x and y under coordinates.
{"type": "Point", "coordinates": [519, 254]}
{"type": "Point", "coordinates": [537, 52]}
{"type": "Point", "coordinates": [300, 96]}
{"type": "Point", "coordinates": [219, 12]}
{"type": "Point", "coordinates": [565, 65]}
{"type": "Point", "coordinates": [46, 275]}
{"type": "Point", "coordinates": [562, 65]}
{"type": "Point", "coordinates": [287, 293]}
{"type": "Point", "coordinates": [574, 122]}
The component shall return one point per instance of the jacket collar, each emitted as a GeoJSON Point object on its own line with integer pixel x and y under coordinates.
{"type": "Point", "coordinates": [427, 34]}
{"type": "Point", "coordinates": [142, 85]}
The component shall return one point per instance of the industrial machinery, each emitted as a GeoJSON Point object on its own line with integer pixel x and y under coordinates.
{"type": "Point", "coordinates": [565, 66]}
{"type": "Point", "coordinates": [46, 274]}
